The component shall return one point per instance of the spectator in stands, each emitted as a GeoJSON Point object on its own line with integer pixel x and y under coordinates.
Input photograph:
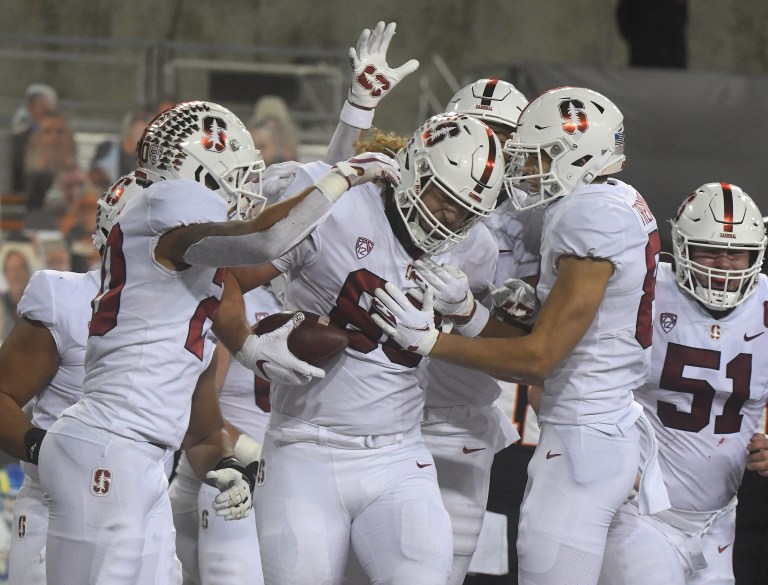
{"type": "Point", "coordinates": [80, 243]}
{"type": "Point", "coordinates": [40, 99]}
{"type": "Point", "coordinates": [115, 158]}
{"type": "Point", "coordinates": [51, 149]}
{"type": "Point", "coordinates": [18, 262]}
{"type": "Point", "coordinates": [274, 132]}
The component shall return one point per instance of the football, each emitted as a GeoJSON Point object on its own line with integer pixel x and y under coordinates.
{"type": "Point", "coordinates": [316, 340]}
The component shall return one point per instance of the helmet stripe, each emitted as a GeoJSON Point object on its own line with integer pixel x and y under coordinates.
{"type": "Point", "coordinates": [490, 87]}
{"type": "Point", "coordinates": [490, 164]}
{"type": "Point", "coordinates": [727, 207]}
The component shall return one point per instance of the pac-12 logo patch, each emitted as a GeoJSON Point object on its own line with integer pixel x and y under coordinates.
{"type": "Point", "coordinates": [101, 481]}
{"type": "Point", "coordinates": [668, 321]}
{"type": "Point", "coordinates": [363, 247]}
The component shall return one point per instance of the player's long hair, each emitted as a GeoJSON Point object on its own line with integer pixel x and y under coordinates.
{"type": "Point", "coordinates": [375, 140]}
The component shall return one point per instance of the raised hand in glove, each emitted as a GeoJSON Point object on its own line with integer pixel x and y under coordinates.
{"type": "Point", "coordinates": [270, 359]}
{"type": "Point", "coordinates": [410, 327]}
{"type": "Point", "coordinates": [517, 301]}
{"type": "Point", "coordinates": [236, 486]}
{"type": "Point", "coordinates": [372, 77]}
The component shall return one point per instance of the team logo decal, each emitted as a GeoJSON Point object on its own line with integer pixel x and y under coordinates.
{"type": "Point", "coordinates": [261, 472]}
{"type": "Point", "coordinates": [101, 481]}
{"type": "Point", "coordinates": [714, 331]}
{"type": "Point", "coordinates": [363, 247]}
{"type": "Point", "coordinates": [440, 132]}
{"type": "Point", "coordinates": [258, 316]}
{"type": "Point", "coordinates": [22, 526]}
{"type": "Point", "coordinates": [204, 519]}
{"type": "Point", "coordinates": [215, 133]}
{"type": "Point", "coordinates": [574, 117]}
{"type": "Point", "coordinates": [373, 81]}
{"type": "Point", "coordinates": [668, 321]}
{"type": "Point", "coordinates": [117, 191]}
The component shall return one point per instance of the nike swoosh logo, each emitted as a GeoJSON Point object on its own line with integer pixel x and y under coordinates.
{"type": "Point", "coordinates": [422, 465]}
{"type": "Point", "coordinates": [720, 549]}
{"type": "Point", "coordinates": [260, 365]}
{"type": "Point", "coordinates": [550, 454]}
{"type": "Point", "coordinates": [468, 451]}
{"type": "Point", "coordinates": [751, 337]}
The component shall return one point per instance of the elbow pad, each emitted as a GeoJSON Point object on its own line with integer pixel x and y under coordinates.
{"type": "Point", "coordinates": [264, 246]}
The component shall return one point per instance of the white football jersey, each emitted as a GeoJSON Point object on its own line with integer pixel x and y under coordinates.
{"type": "Point", "coordinates": [148, 340]}
{"type": "Point", "coordinates": [244, 396]}
{"type": "Point", "coordinates": [62, 302]}
{"type": "Point", "coordinates": [518, 234]}
{"type": "Point", "coordinates": [593, 384]}
{"type": "Point", "coordinates": [447, 384]}
{"type": "Point", "coordinates": [706, 393]}
{"type": "Point", "coordinates": [372, 388]}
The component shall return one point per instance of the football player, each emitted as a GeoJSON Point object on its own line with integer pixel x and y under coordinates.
{"type": "Point", "coordinates": [343, 459]}
{"type": "Point", "coordinates": [590, 346]}
{"type": "Point", "coordinates": [100, 463]}
{"type": "Point", "coordinates": [459, 405]}
{"type": "Point", "coordinates": [706, 393]}
{"type": "Point", "coordinates": [43, 359]}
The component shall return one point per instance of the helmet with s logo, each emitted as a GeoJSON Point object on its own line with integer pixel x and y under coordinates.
{"type": "Point", "coordinates": [566, 137]}
{"type": "Point", "coordinates": [462, 158]}
{"type": "Point", "coordinates": [205, 142]}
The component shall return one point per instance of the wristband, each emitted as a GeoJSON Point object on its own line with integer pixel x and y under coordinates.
{"type": "Point", "coordinates": [233, 463]}
{"type": "Point", "coordinates": [33, 438]}
{"type": "Point", "coordinates": [476, 322]}
{"type": "Point", "coordinates": [332, 185]}
{"type": "Point", "coordinates": [356, 116]}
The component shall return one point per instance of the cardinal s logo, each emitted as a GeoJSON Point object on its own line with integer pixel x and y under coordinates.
{"type": "Point", "coordinates": [215, 133]}
{"type": "Point", "coordinates": [574, 117]}
{"type": "Point", "coordinates": [373, 81]}
{"type": "Point", "coordinates": [440, 132]}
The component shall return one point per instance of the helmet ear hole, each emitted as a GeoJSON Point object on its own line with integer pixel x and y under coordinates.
{"type": "Point", "coordinates": [210, 182]}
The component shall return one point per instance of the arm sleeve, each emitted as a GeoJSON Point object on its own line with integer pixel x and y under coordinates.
{"type": "Point", "coordinates": [264, 246]}
{"type": "Point", "coordinates": [342, 145]}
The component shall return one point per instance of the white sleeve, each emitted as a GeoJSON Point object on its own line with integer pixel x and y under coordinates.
{"type": "Point", "coordinates": [37, 303]}
{"type": "Point", "coordinates": [589, 230]}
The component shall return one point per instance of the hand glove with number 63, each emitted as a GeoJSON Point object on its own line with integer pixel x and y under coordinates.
{"type": "Point", "coordinates": [410, 327]}
{"type": "Point", "coordinates": [372, 77]}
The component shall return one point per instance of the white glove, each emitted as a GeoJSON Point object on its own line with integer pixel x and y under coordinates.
{"type": "Point", "coordinates": [235, 500]}
{"type": "Point", "coordinates": [372, 77]}
{"type": "Point", "coordinates": [411, 328]}
{"type": "Point", "coordinates": [452, 297]}
{"type": "Point", "coordinates": [271, 360]}
{"type": "Point", "coordinates": [363, 168]}
{"type": "Point", "coordinates": [517, 299]}
{"type": "Point", "coordinates": [369, 166]}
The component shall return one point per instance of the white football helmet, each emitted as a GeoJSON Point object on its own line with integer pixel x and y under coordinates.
{"type": "Point", "coordinates": [719, 216]}
{"type": "Point", "coordinates": [462, 157]}
{"type": "Point", "coordinates": [492, 100]}
{"type": "Point", "coordinates": [580, 131]}
{"type": "Point", "coordinates": [205, 142]}
{"type": "Point", "coordinates": [113, 200]}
